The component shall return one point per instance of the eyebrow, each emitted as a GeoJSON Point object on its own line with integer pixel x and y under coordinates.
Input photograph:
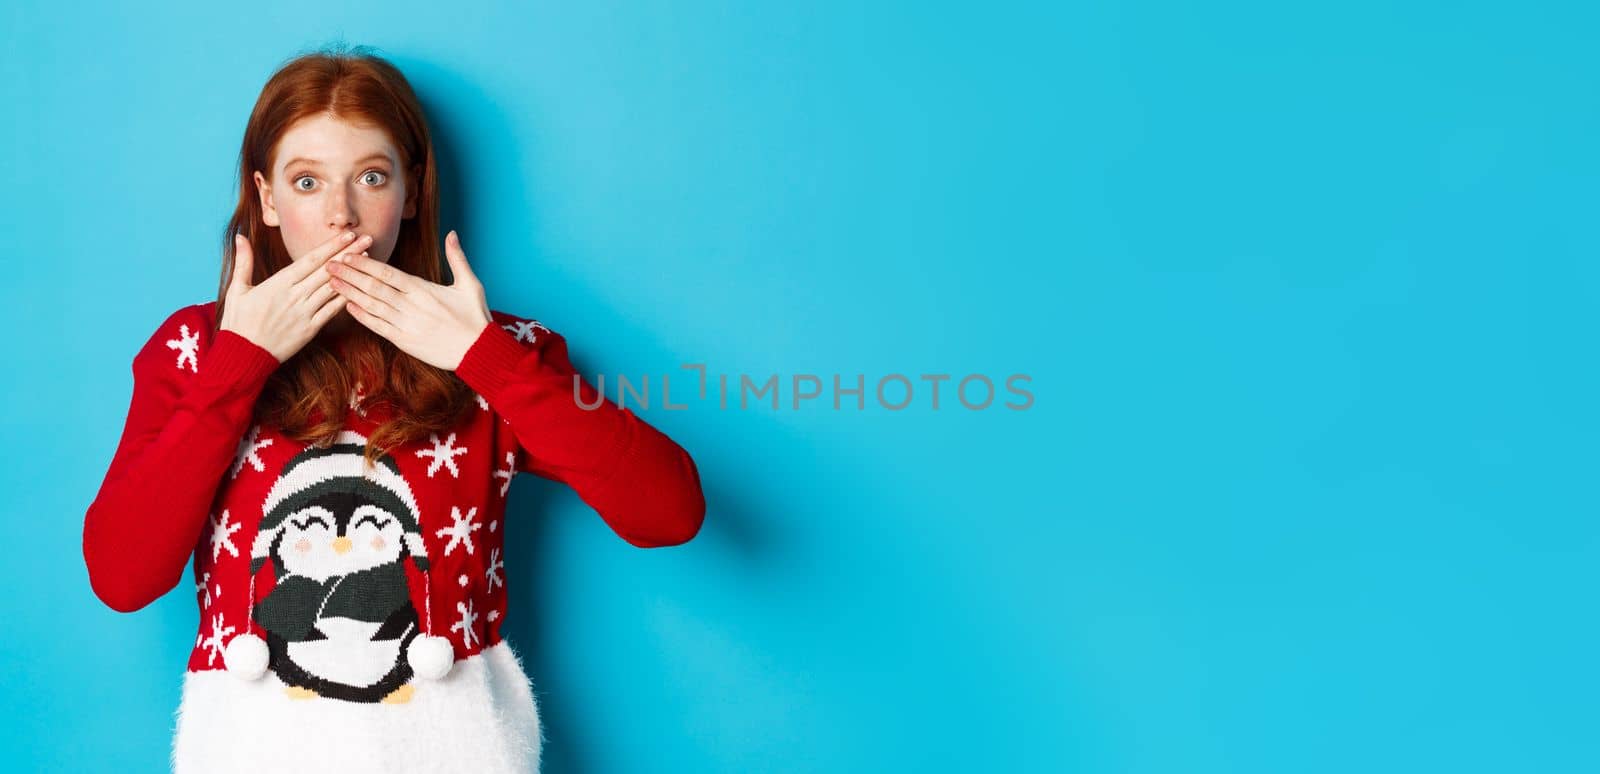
{"type": "Point", "coordinates": [310, 162]}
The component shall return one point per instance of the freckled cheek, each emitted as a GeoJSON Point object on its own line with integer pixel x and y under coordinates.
{"type": "Point", "coordinates": [300, 229]}
{"type": "Point", "coordinates": [386, 225]}
{"type": "Point", "coordinates": [303, 546]}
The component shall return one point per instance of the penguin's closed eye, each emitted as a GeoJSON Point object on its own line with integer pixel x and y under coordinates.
{"type": "Point", "coordinates": [310, 520]}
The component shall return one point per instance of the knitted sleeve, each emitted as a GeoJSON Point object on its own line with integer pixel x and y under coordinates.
{"type": "Point", "coordinates": [642, 483]}
{"type": "Point", "coordinates": [193, 395]}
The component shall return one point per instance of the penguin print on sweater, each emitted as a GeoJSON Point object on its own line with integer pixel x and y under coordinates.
{"type": "Point", "coordinates": [339, 619]}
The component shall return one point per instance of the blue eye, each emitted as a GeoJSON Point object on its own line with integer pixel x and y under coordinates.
{"type": "Point", "coordinates": [383, 177]}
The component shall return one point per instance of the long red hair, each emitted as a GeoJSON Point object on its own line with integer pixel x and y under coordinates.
{"type": "Point", "coordinates": [308, 395]}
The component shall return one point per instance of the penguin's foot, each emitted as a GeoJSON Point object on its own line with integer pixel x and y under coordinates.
{"type": "Point", "coordinates": [399, 695]}
{"type": "Point", "coordinates": [296, 692]}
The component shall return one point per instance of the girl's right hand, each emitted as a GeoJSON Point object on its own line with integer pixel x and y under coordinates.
{"type": "Point", "coordinates": [284, 312]}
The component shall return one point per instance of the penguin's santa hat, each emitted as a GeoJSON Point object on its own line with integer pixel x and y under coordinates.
{"type": "Point", "coordinates": [339, 468]}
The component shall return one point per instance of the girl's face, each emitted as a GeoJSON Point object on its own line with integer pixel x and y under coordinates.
{"type": "Point", "coordinates": [332, 176]}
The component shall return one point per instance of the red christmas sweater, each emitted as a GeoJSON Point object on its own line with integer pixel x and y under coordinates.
{"type": "Point", "coordinates": [337, 566]}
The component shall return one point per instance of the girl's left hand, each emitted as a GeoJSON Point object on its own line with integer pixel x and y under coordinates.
{"type": "Point", "coordinates": [431, 322]}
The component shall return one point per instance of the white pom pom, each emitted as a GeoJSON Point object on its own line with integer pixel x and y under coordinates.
{"type": "Point", "coordinates": [430, 657]}
{"type": "Point", "coordinates": [246, 656]}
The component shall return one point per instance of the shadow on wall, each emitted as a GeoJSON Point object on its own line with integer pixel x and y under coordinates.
{"type": "Point", "coordinates": [733, 522]}
{"type": "Point", "coordinates": [743, 523]}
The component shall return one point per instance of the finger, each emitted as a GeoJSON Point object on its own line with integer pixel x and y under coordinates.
{"type": "Point", "coordinates": [377, 324]}
{"type": "Point", "coordinates": [243, 264]}
{"type": "Point", "coordinates": [318, 273]}
{"type": "Point", "coordinates": [359, 270]}
{"type": "Point", "coordinates": [329, 308]}
{"type": "Point", "coordinates": [320, 295]}
{"type": "Point", "coordinates": [457, 258]}
{"type": "Point", "coordinates": [383, 272]}
{"type": "Point", "coordinates": [303, 266]}
{"type": "Point", "coordinates": [367, 291]}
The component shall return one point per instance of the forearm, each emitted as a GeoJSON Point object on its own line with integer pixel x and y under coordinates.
{"type": "Point", "coordinates": [640, 481]}
{"type": "Point", "coordinates": [147, 517]}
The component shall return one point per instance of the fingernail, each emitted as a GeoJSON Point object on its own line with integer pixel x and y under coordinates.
{"type": "Point", "coordinates": [349, 235]}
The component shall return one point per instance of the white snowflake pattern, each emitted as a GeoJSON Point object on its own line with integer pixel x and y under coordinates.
{"type": "Point", "coordinates": [215, 642]}
{"type": "Point", "coordinates": [494, 615]}
{"type": "Point", "coordinates": [524, 329]}
{"type": "Point", "coordinates": [463, 580]}
{"type": "Point", "coordinates": [495, 566]}
{"type": "Point", "coordinates": [249, 452]}
{"type": "Point", "coordinates": [443, 453]}
{"type": "Point", "coordinates": [482, 403]}
{"type": "Point", "coordinates": [461, 531]}
{"type": "Point", "coordinates": [207, 591]}
{"type": "Point", "coordinates": [507, 472]}
{"type": "Point", "coordinates": [188, 346]}
{"type": "Point", "coordinates": [222, 536]}
{"type": "Point", "coordinates": [465, 622]}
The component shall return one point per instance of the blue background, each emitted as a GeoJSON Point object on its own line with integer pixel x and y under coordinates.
{"type": "Point", "coordinates": [1306, 294]}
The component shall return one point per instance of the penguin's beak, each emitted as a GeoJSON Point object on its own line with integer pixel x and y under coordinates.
{"type": "Point", "coordinates": [341, 545]}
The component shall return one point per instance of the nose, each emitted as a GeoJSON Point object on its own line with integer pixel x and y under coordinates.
{"type": "Point", "coordinates": [341, 217]}
{"type": "Point", "coordinates": [341, 545]}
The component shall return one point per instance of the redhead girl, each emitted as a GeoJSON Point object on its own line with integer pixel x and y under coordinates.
{"type": "Point", "coordinates": [332, 441]}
